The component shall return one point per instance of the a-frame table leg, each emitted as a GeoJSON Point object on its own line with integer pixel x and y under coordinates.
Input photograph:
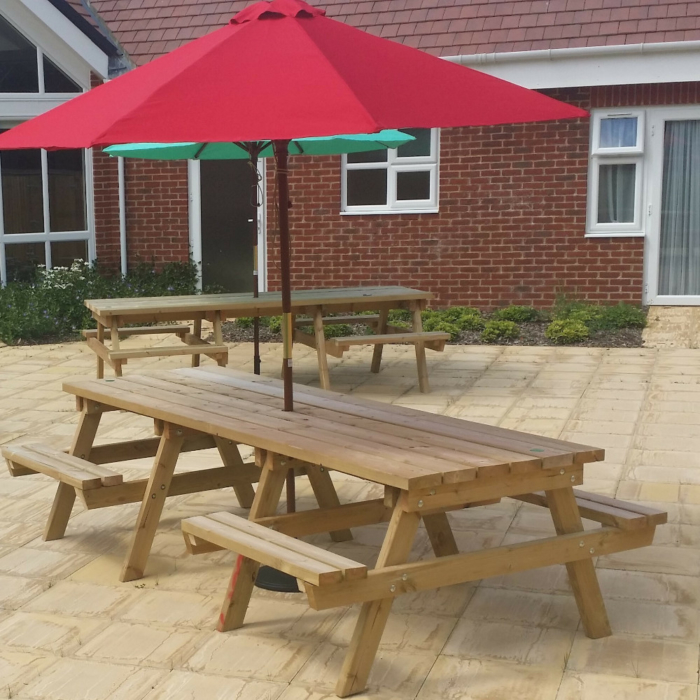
{"type": "Point", "coordinates": [153, 502]}
{"type": "Point", "coordinates": [326, 496]}
{"type": "Point", "coordinates": [381, 330]}
{"type": "Point", "coordinates": [582, 575]}
{"type": "Point", "coordinates": [440, 533]}
{"type": "Point", "coordinates": [231, 457]}
{"type": "Point", "coordinates": [320, 338]}
{"type": "Point", "coordinates": [240, 586]}
{"type": "Point", "coordinates": [373, 616]}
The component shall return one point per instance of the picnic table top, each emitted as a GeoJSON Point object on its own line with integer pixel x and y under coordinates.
{"type": "Point", "coordinates": [269, 302]}
{"type": "Point", "coordinates": [392, 445]}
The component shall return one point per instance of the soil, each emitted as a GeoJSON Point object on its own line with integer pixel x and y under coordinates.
{"type": "Point", "coordinates": [530, 334]}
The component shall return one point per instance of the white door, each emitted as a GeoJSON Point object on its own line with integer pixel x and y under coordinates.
{"type": "Point", "coordinates": [673, 250]}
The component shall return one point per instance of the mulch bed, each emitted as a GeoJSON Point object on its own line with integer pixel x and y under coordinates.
{"type": "Point", "coordinates": [530, 334]}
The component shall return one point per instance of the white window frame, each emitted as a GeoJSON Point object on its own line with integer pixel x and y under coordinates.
{"type": "Point", "coordinates": [395, 164]}
{"type": "Point", "coordinates": [615, 156]}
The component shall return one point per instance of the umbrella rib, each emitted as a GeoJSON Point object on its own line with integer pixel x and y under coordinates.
{"type": "Point", "coordinates": [200, 150]}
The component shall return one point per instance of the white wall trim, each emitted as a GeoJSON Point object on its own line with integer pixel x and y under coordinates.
{"type": "Point", "coordinates": [194, 186]}
{"type": "Point", "coordinates": [630, 64]}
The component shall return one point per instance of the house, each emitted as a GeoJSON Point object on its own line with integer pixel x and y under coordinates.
{"type": "Point", "coordinates": [607, 209]}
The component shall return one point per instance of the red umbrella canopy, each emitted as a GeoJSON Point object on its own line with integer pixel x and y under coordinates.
{"type": "Point", "coordinates": [282, 70]}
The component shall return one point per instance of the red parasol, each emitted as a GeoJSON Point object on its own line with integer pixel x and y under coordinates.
{"type": "Point", "coordinates": [278, 71]}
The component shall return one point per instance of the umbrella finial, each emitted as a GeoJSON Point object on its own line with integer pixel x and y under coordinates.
{"type": "Point", "coordinates": [277, 9]}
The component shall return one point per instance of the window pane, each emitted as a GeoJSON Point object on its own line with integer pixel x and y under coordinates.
{"type": "Point", "coordinates": [367, 157]}
{"type": "Point", "coordinates": [64, 253]}
{"type": "Point", "coordinates": [419, 147]}
{"type": "Point", "coordinates": [366, 187]}
{"type": "Point", "coordinates": [18, 61]}
{"type": "Point", "coordinates": [413, 185]}
{"type": "Point", "coordinates": [55, 80]}
{"type": "Point", "coordinates": [616, 186]}
{"type": "Point", "coordinates": [66, 191]}
{"type": "Point", "coordinates": [619, 132]}
{"type": "Point", "coordinates": [22, 196]}
{"type": "Point", "coordinates": [22, 260]}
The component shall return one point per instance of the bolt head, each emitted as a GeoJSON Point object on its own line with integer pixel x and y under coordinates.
{"type": "Point", "coordinates": [561, 471]}
{"type": "Point", "coordinates": [404, 577]}
{"type": "Point", "coordinates": [392, 588]}
{"type": "Point", "coordinates": [580, 544]}
{"type": "Point", "coordinates": [591, 550]}
{"type": "Point", "coordinates": [420, 503]}
{"type": "Point", "coordinates": [573, 478]}
{"type": "Point", "coordinates": [432, 492]}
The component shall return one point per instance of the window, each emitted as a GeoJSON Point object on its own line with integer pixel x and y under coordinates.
{"type": "Point", "coordinates": [403, 179]}
{"type": "Point", "coordinates": [616, 174]}
{"type": "Point", "coordinates": [44, 210]}
{"type": "Point", "coordinates": [25, 69]}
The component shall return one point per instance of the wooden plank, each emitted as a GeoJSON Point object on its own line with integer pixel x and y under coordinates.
{"type": "Point", "coordinates": [326, 497]}
{"type": "Point", "coordinates": [350, 569]}
{"type": "Point", "coordinates": [475, 566]}
{"type": "Point", "coordinates": [107, 476]}
{"type": "Point", "coordinates": [374, 615]}
{"type": "Point", "coordinates": [232, 460]}
{"type": "Point", "coordinates": [310, 342]}
{"type": "Point", "coordinates": [440, 533]}
{"type": "Point", "coordinates": [582, 576]}
{"type": "Point", "coordinates": [320, 339]}
{"type": "Point", "coordinates": [551, 452]}
{"type": "Point", "coordinates": [381, 329]}
{"type": "Point", "coordinates": [60, 512]}
{"type": "Point", "coordinates": [181, 484]}
{"type": "Point", "coordinates": [139, 330]}
{"type": "Point", "coordinates": [423, 382]}
{"type": "Point", "coordinates": [102, 352]}
{"type": "Point", "coordinates": [405, 337]}
{"type": "Point", "coordinates": [629, 505]}
{"type": "Point", "coordinates": [109, 453]}
{"type": "Point", "coordinates": [350, 319]}
{"type": "Point", "coordinates": [167, 351]}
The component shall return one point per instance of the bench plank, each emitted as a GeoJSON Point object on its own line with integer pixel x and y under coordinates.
{"type": "Point", "coordinates": [350, 319]}
{"type": "Point", "coordinates": [138, 330]}
{"type": "Point", "coordinates": [434, 340]}
{"type": "Point", "coordinates": [170, 350]}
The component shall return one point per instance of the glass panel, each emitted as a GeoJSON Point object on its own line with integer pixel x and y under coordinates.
{"type": "Point", "coordinates": [367, 157]}
{"type": "Point", "coordinates": [413, 185]}
{"type": "Point", "coordinates": [67, 191]}
{"type": "Point", "coordinates": [65, 253]}
{"type": "Point", "coordinates": [23, 259]}
{"type": "Point", "coordinates": [616, 186]}
{"type": "Point", "coordinates": [22, 196]}
{"type": "Point", "coordinates": [618, 132]}
{"type": "Point", "coordinates": [679, 267]}
{"type": "Point", "coordinates": [18, 61]}
{"type": "Point", "coordinates": [419, 147]}
{"type": "Point", "coordinates": [55, 80]}
{"type": "Point", "coordinates": [366, 187]}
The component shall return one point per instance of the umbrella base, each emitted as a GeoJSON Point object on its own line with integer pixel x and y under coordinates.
{"type": "Point", "coordinates": [271, 579]}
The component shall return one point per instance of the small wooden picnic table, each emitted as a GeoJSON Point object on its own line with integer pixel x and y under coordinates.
{"type": "Point", "coordinates": [428, 464]}
{"type": "Point", "coordinates": [115, 317]}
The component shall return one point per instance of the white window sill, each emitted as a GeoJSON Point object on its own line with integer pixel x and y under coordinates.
{"type": "Point", "coordinates": [615, 234]}
{"type": "Point", "coordinates": [376, 212]}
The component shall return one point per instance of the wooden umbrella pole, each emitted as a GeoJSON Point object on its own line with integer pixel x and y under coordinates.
{"type": "Point", "coordinates": [281, 156]}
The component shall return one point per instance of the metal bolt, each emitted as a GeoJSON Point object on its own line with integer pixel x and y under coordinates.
{"type": "Point", "coordinates": [392, 588]}
{"type": "Point", "coordinates": [162, 487]}
{"type": "Point", "coordinates": [432, 492]}
{"type": "Point", "coordinates": [591, 550]}
{"type": "Point", "coordinates": [573, 478]}
{"type": "Point", "coordinates": [404, 577]}
{"type": "Point", "coordinates": [153, 495]}
{"type": "Point", "coordinates": [230, 442]}
{"type": "Point", "coordinates": [82, 456]}
{"type": "Point", "coordinates": [178, 433]}
{"type": "Point", "coordinates": [420, 503]}
{"type": "Point", "coordinates": [561, 471]}
{"type": "Point", "coordinates": [580, 544]}
{"type": "Point", "coordinates": [323, 469]}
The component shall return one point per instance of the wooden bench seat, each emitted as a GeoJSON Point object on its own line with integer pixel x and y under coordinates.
{"type": "Point", "coordinates": [607, 511]}
{"type": "Point", "coordinates": [300, 559]}
{"type": "Point", "coordinates": [44, 459]}
{"type": "Point", "coordinates": [352, 319]}
{"type": "Point", "coordinates": [433, 340]}
{"type": "Point", "coordinates": [180, 330]}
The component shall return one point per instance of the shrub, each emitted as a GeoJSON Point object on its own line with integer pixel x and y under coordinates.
{"type": "Point", "coordinates": [50, 304]}
{"type": "Point", "coordinates": [499, 330]}
{"type": "Point", "coordinates": [517, 314]}
{"type": "Point", "coordinates": [399, 315]}
{"type": "Point", "coordinates": [274, 323]}
{"type": "Point", "coordinates": [245, 322]}
{"type": "Point", "coordinates": [620, 316]}
{"type": "Point", "coordinates": [566, 331]}
{"type": "Point", "coordinates": [463, 317]}
{"type": "Point", "coordinates": [435, 323]}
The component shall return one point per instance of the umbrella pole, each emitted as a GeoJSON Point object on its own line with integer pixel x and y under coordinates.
{"type": "Point", "coordinates": [281, 156]}
{"type": "Point", "coordinates": [256, 286]}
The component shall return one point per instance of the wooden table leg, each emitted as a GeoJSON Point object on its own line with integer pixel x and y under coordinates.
{"type": "Point", "coordinates": [440, 533]}
{"type": "Point", "coordinates": [373, 616]}
{"type": "Point", "coordinates": [582, 576]}
{"type": "Point", "coordinates": [65, 494]}
{"type": "Point", "coordinates": [240, 586]}
{"type": "Point", "coordinates": [245, 493]}
{"type": "Point", "coordinates": [381, 330]}
{"type": "Point", "coordinates": [320, 338]}
{"type": "Point", "coordinates": [326, 496]}
{"type": "Point", "coordinates": [197, 332]}
{"type": "Point", "coordinates": [218, 338]}
{"type": "Point", "coordinates": [152, 504]}
{"type": "Point", "coordinates": [114, 338]}
{"type": "Point", "coordinates": [100, 339]}
{"type": "Point", "coordinates": [421, 364]}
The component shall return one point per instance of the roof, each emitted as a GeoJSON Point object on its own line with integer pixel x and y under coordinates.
{"type": "Point", "coordinates": [149, 28]}
{"type": "Point", "coordinates": [78, 12]}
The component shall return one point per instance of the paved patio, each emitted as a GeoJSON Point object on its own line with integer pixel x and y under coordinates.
{"type": "Point", "coordinates": [70, 631]}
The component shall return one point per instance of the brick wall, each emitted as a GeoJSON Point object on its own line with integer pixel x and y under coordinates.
{"type": "Point", "coordinates": [510, 228]}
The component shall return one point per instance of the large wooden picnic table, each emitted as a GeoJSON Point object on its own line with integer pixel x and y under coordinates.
{"type": "Point", "coordinates": [116, 317]}
{"type": "Point", "coordinates": [428, 464]}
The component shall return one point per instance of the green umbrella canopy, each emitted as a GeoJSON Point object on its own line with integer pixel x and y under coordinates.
{"type": "Point", "coordinates": [315, 146]}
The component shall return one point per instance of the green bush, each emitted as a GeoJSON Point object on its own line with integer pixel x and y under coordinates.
{"type": "Point", "coordinates": [620, 316]}
{"type": "Point", "coordinates": [499, 330]}
{"type": "Point", "coordinates": [517, 314]}
{"type": "Point", "coordinates": [464, 318]}
{"type": "Point", "coordinates": [567, 331]}
{"type": "Point", "coordinates": [50, 304]}
{"type": "Point", "coordinates": [274, 323]}
{"type": "Point", "coordinates": [245, 322]}
{"type": "Point", "coordinates": [399, 315]}
{"type": "Point", "coordinates": [435, 323]}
